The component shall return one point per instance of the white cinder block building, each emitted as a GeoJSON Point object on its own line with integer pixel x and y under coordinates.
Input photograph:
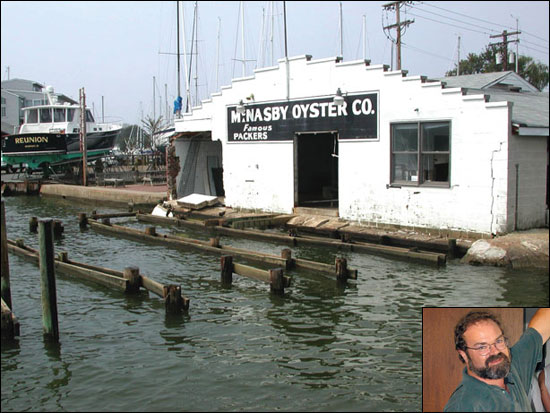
{"type": "Point", "coordinates": [392, 150]}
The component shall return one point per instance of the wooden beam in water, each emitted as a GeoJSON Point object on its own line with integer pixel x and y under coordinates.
{"type": "Point", "coordinates": [99, 275]}
{"type": "Point", "coordinates": [408, 254]}
{"type": "Point", "coordinates": [188, 243]}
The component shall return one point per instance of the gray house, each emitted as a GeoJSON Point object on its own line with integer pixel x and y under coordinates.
{"type": "Point", "coordinates": [18, 94]}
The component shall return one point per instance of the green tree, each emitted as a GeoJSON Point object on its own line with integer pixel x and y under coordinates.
{"type": "Point", "coordinates": [535, 73]}
{"type": "Point", "coordinates": [151, 127]}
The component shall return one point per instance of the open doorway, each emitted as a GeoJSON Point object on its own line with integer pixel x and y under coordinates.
{"type": "Point", "coordinates": [316, 169]}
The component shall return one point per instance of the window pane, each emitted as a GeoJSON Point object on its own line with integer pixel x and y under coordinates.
{"type": "Point", "coordinates": [435, 137]}
{"type": "Point", "coordinates": [89, 117]}
{"type": "Point", "coordinates": [70, 115]}
{"type": "Point", "coordinates": [45, 115]}
{"type": "Point", "coordinates": [435, 167]}
{"type": "Point", "coordinates": [32, 116]}
{"type": "Point", "coordinates": [59, 115]}
{"type": "Point", "coordinates": [405, 137]}
{"type": "Point", "coordinates": [405, 167]}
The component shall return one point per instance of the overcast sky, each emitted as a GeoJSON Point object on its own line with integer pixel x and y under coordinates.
{"type": "Point", "coordinates": [114, 49]}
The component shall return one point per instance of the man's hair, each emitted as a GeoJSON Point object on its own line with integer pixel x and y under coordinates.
{"type": "Point", "coordinates": [469, 319]}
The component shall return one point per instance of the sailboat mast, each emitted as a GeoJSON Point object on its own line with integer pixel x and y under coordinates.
{"type": "Point", "coordinates": [218, 55]}
{"type": "Point", "coordinates": [242, 39]}
{"type": "Point", "coordinates": [187, 91]}
{"type": "Point", "coordinates": [178, 41]}
{"type": "Point", "coordinates": [197, 53]}
{"type": "Point", "coordinates": [341, 33]}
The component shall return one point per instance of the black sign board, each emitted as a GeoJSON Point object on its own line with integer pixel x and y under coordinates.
{"type": "Point", "coordinates": [34, 142]}
{"type": "Point", "coordinates": [357, 118]}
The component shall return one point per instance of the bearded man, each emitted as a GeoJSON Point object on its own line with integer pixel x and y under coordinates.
{"type": "Point", "coordinates": [497, 377]}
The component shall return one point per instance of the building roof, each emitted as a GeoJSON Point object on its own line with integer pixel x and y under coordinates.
{"type": "Point", "coordinates": [501, 80]}
{"type": "Point", "coordinates": [530, 107]}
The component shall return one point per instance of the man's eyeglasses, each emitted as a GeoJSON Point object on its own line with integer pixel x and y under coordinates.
{"type": "Point", "coordinates": [483, 349]}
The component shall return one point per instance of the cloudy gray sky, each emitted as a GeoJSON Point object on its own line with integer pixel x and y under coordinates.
{"type": "Point", "coordinates": [114, 49]}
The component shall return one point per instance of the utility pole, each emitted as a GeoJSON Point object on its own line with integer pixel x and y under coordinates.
{"type": "Point", "coordinates": [504, 43]}
{"type": "Point", "coordinates": [396, 5]}
{"type": "Point", "coordinates": [458, 58]}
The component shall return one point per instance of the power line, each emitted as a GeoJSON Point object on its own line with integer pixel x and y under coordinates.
{"type": "Point", "coordinates": [407, 46]}
{"type": "Point", "coordinates": [481, 20]}
{"type": "Point", "coordinates": [449, 24]}
{"type": "Point", "coordinates": [460, 21]}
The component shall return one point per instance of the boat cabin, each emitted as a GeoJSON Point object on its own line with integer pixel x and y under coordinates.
{"type": "Point", "coordinates": [57, 118]}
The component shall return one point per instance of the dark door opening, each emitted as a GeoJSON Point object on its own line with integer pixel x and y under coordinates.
{"type": "Point", "coordinates": [316, 169]}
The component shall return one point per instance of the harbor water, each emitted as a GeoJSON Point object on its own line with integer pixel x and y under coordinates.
{"type": "Point", "coordinates": [322, 346]}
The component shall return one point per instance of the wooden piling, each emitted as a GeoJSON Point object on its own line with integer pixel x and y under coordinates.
{"type": "Point", "coordinates": [6, 290]}
{"type": "Point", "coordinates": [286, 253]}
{"type": "Point", "coordinates": [57, 228]}
{"type": "Point", "coordinates": [452, 248]}
{"type": "Point", "coordinates": [173, 300]}
{"type": "Point", "coordinates": [341, 265]}
{"type": "Point", "coordinates": [82, 220]}
{"type": "Point", "coordinates": [47, 280]}
{"type": "Point", "coordinates": [33, 224]}
{"type": "Point", "coordinates": [227, 269]}
{"type": "Point", "coordinates": [151, 231]}
{"type": "Point", "coordinates": [277, 284]}
{"type": "Point", "coordinates": [134, 281]}
{"type": "Point", "coordinates": [215, 242]}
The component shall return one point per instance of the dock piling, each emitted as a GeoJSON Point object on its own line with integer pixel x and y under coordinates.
{"type": "Point", "coordinates": [33, 224]}
{"type": "Point", "coordinates": [174, 303]}
{"type": "Point", "coordinates": [47, 280]}
{"type": "Point", "coordinates": [6, 290]}
{"type": "Point", "coordinates": [134, 280]}
{"type": "Point", "coordinates": [452, 248]}
{"type": "Point", "coordinates": [286, 253]}
{"type": "Point", "coordinates": [277, 285]}
{"type": "Point", "coordinates": [341, 265]}
{"type": "Point", "coordinates": [82, 220]}
{"type": "Point", "coordinates": [227, 269]}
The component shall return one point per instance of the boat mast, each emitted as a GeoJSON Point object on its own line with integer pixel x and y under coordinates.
{"type": "Point", "coordinates": [178, 42]}
{"type": "Point", "coordinates": [364, 37]}
{"type": "Point", "coordinates": [197, 53]}
{"type": "Point", "coordinates": [242, 38]}
{"type": "Point", "coordinates": [341, 33]}
{"type": "Point", "coordinates": [272, 25]}
{"type": "Point", "coordinates": [218, 55]}
{"type": "Point", "coordinates": [187, 91]}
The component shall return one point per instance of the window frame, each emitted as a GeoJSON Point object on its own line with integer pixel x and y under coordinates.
{"type": "Point", "coordinates": [420, 153]}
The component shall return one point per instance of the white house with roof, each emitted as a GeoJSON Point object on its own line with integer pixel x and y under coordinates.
{"type": "Point", "coordinates": [374, 146]}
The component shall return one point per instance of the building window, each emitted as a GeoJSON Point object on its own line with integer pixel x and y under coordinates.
{"type": "Point", "coordinates": [420, 153]}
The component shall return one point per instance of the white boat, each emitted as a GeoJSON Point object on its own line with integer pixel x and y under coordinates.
{"type": "Point", "coordinates": [50, 135]}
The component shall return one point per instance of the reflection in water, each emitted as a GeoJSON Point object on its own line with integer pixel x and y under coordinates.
{"type": "Point", "coordinates": [321, 346]}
